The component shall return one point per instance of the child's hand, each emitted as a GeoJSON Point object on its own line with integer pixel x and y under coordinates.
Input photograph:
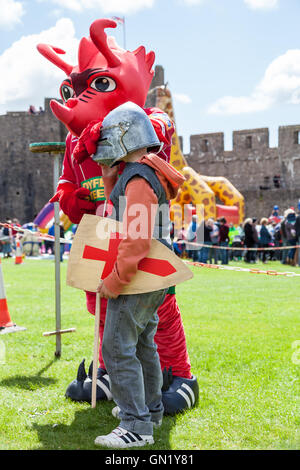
{"type": "Point", "coordinates": [105, 292]}
{"type": "Point", "coordinates": [109, 172]}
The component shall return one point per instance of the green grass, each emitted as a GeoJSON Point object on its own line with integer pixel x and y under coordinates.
{"type": "Point", "coordinates": [240, 328]}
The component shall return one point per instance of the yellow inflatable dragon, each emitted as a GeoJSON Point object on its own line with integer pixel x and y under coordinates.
{"type": "Point", "coordinates": [199, 190]}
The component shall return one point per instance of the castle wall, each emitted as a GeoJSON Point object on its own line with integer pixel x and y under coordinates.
{"type": "Point", "coordinates": [289, 155]}
{"type": "Point", "coordinates": [26, 178]}
{"type": "Point", "coordinates": [265, 176]}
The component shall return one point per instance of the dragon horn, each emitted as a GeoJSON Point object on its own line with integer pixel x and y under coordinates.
{"type": "Point", "coordinates": [50, 53]}
{"type": "Point", "coordinates": [90, 372]}
{"type": "Point", "coordinates": [81, 373]}
{"type": "Point", "coordinates": [150, 58]}
{"type": "Point", "coordinates": [99, 38]}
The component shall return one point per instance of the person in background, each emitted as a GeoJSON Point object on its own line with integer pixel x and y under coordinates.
{"type": "Point", "coordinates": [275, 217]}
{"type": "Point", "coordinates": [32, 109]}
{"type": "Point", "coordinates": [284, 241]}
{"type": "Point", "coordinates": [179, 242]}
{"type": "Point", "coordinates": [172, 231]}
{"type": "Point", "coordinates": [214, 238]}
{"type": "Point", "coordinates": [297, 228]}
{"type": "Point", "coordinates": [278, 242]}
{"type": "Point", "coordinates": [249, 239]}
{"type": "Point", "coordinates": [241, 232]}
{"type": "Point", "coordinates": [49, 244]}
{"type": "Point", "coordinates": [16, 224]}
{"type": "Point", "coordinates": [272, 228]}
{"type": "Point", "coordinates": [193, 251]}
{"type": "Point", "coordinates": [291, 236]}
{"type": "Point", "coordinates": [231, 238]}
{"type": "Point", "coordinates": [223, 240]}
{"type": "Point", "coordinates": [235, 241]}
{"type": "Point", "coordinates": [62, 245]}
{"type": "Point", "coordinates": [207, 229]}
{"type": "Point", "coordinates": [231, 231]}
{"type": "Point", "coordinates": [7, 240]}
{"type": "Point", "coordinates": [264, 238]}
{"type": "Point", "coordinates": [255, 229]}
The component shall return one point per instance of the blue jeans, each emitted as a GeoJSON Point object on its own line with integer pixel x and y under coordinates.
{"type": "Point", "coordinates": [62, 250]}
{"type": "Point", "coordinates": [291, 252]}
{"type": "Point", "coordinates": [223, 254]}
{"type": "Point", "coordinates": [131, 359]}
{"type": "Point", "coordinates": [194, 254]}
{"type": "Point", "coordinates": [284, 253]}
{"type": "Point", "coordinates": [204, 252]}
{"type": "Point", "coordinates": [213, 254]}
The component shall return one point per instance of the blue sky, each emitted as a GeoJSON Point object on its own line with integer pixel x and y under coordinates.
{"type": "Point", "coordinates": [230, 64]}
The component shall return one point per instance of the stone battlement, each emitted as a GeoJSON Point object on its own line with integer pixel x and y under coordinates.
{"type": "Point", "coordinates": [252, 163]}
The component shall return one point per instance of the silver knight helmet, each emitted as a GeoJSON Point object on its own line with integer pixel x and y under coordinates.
{"type": "Point", "coordinates": [124, 130]}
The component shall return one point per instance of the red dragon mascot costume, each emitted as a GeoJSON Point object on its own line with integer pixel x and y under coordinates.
{"type": "Point", "coordinates": [107, 76]}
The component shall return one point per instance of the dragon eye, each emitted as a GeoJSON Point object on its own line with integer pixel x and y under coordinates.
{"type": "Point", "coordinates": [103, 84]}
{"type": "Point", "coordinates": [67, 92]}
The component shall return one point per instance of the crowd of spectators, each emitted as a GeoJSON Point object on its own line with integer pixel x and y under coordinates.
{"type": "Point", "coordinates": [210, 241]}
{"type": "Point", "coordinates": [9, 236]}
{"type": "Point", "coordinates": [216, 241]}
{"type": "Point", "coordinates": [31, 244]}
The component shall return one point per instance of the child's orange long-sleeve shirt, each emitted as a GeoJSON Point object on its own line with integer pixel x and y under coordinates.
{"type": "Point", "coordinates": [133, 249]}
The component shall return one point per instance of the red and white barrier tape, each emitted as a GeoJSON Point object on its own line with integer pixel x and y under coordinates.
{"type": "Point", "coordinates": [238, 248]}
{"type": "Point", "coordinates": [40, 235]}
{"type": "Point", "coordinates": [249, 270]}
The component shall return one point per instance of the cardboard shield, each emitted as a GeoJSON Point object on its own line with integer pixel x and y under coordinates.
{"type": "Point", "coordinates": [94, 252]}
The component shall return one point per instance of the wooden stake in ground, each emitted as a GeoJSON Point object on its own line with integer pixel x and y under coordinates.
{"type": "Point", "coordinates": [96, 350]}
{"type": "Point", "coordinates": [55, 150]}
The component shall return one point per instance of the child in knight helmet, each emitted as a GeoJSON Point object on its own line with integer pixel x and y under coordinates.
{"type": "Point", "coordinates": [128, 348]}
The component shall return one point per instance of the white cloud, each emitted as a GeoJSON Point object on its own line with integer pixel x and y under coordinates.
{"type": "Point", "coordinates": [182, 98]}
{"type": "Point", "coordinates": [56, 13]}
{"type": "Point", "coordinates": [11, 13]}
{"type": "Point", "coordinates": [262, 4]}
{"type": "Point", "coordinates": [75, 5]}
{"type": "Point", "coordinates": [280, 84]}
{"type": "Point", "coordinates": [194, 2]}
{"type": "Point", "coordinates": [111, 6]}
{"type": "Point", "coordinates": [26, 76]}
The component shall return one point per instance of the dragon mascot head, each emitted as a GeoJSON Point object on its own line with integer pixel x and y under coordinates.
{"type": "Point", "coordinates": [106, 76]}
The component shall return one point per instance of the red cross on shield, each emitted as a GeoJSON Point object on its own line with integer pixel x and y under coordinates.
{"type": "Point", "coordinates": [159, 267]}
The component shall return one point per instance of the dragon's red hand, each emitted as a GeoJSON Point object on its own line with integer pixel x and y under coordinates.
{"type": "Point", "coordinates": [74, 201]}
{"type": "Point", "coordinates": [87, 142]}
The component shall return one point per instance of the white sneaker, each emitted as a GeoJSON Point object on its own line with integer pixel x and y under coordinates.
{"type": "Point", "coordinates": [120, 438]}
{"type": "Point", "coordinates": [116, 410]}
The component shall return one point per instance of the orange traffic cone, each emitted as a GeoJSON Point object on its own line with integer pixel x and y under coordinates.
{"type": "Point", "coordinates": [6, 325]}
{"type": "Point", "coordinates": [19, 257]}
{"type": "Point", "coordinates": [5, 320]}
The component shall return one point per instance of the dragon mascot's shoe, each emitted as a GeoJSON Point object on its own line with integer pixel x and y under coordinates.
{"type": "Point", "coordinates": [178, 393]}
{"type": "Point", "coordinates": [80, 389]}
